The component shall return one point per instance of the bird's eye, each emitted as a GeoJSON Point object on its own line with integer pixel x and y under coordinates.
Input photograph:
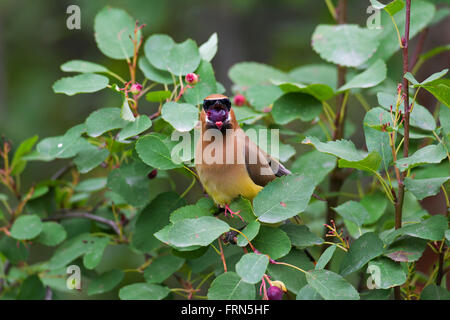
{"type": "Point", "coordinates": [208, 103]}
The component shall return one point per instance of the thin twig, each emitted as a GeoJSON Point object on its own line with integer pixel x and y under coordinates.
{"type": "Point", "coordinates": [84, 215]}
{"type": "Point", "coordinates": [58, 174]}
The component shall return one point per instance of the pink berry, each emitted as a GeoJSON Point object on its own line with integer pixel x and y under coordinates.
{"type": "Point", "coordinates": [239, 100]}
{"type": "Point", "coordinates": [191, 78]}
{"type": "Point", "coordinates": [135, 88]}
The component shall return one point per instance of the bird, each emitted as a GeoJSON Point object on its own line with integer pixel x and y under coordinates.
{"type": "Point", "coordinates": [227, 162]}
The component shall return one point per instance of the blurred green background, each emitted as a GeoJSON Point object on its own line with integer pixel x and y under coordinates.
{"type": "Point", "coordinates": [34, 42]}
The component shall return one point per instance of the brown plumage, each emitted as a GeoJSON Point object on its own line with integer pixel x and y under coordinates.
{"type": "Point", "coordinates": [228, 163]}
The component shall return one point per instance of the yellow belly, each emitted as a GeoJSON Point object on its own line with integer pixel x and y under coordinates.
{"type": "Point", "coordinates": [225, 185]}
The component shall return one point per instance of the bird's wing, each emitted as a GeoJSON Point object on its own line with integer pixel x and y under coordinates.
{"type": "Point", "coordinates": [261, 167]}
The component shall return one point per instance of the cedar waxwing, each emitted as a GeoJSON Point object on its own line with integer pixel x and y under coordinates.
{"type": "Point", "coordinates": [228, 163]}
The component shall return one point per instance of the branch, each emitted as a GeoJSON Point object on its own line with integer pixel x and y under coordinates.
{"type": "Point", "coordinates": [84, 215]}
{"type": "Point", "coordinates": [419, 48]}
{"type": "Point", "coordinates": [401, 186]}
{"type": "Point", "coordinates": [336, 179]}
{"type": "Point", "coordinates": [58, 174]}
{"type": "Point", "coordinates": [6, 268]}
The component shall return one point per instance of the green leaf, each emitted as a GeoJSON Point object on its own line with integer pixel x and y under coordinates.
{"type": "Point", "coordinates": [158, 96]}
{"type": "Point", "coordinates": [143, 291]}
{"type": "Point", "coordinates": [152, 218]}
{"type": "Point", "coordinates": [154, 152]}
{"type": "Point", "coordinates": [283, 198]}
{"type": "Point", "coordinates": [94, 252]}
{"type": "Point", "coordinates": [317, 90]}
{"type": "Point", "coordinates": [431, 229]}
{"type": "Point", "coordinates": [91, 185]}
{"type": "Point", "coordinates": [420, 117]}
{"type": "Point", "coordinates": [253, 73]}
{"type": "Point", "coordinates": [209, 48]}
{"type": "Point", "coordinates": [26, 227]}
{"type": "Point", "coordinates": [375, 204]}
{"type": "Point", "coordinates": [157, 48]}
{"type": "Point", "coordinates": [105, 282]}
{"type": "Point", "coordinates": [387, 273]}
{"type": "Point", "coordinates": [353, 211]}
{"type": "Point", "coordinates": [251, 267]}
{"type": "Point", "coordinates": [113, 29]}
{"type": "Point", "coordinates": [434, 76]}
{"type": "Point", "coordinates": [183, 58]}
{"type": "Point", "coordinates": [151, 73]}
{"type": "Point", "coordinates": [292, 278]}
{"type": "Point", "coordinates": [325, 257]}
{"type": "Point", "coordinates": [189, 212]}
{"type": "Point", "coordinates": [90, 157]}
{"type": "Point", "coordinates": [261, 96]}
{"type": "Point", "coordinates": [272, 241]}
{"type": "Point", "coordinates": [293, 106]}
{"type": "Point", "coordinates": [371, 163]}
{"type": "Point", "coordinates": [52, 234]}
{"type": "Point", "coordinates": [422, 13]}
{"type": "Point", "coordinates": [350, 157]}
{"type": "Point", "coordinates": [428, 154]}
{"type": "Point", "coordinates": [316, 73]}
{"type": "Point", "coordinates": [134, 128]}
{"type": "Point", "coordinates": [65, 146]}
{"type": "Point", "coordinates": [371, 77]}
{"type": "Point", "coordinates": [229, 286]}
{"type": "Point", "coordinates": [444, 119]}
{"type": "Point", "coordinates": [207, 85]}
{"type": "Point", "coordinates": [345, 45]}
{"type": "Point", "coordinates": [422, 188]}
{"type": "Point", "coordinates": [308, 293]}
{"type": "Point", "coordinates": [125, 111]}
{"type": "Point", "coordinates": [162, 268]}
{"type": "Point", "coordinates": [130, 181]}
{"type": "Point", "coordinates": [247, 115]}
{"type": "Point", "coordinates": [301, 236]}
{"type": "Point", "coordinates": [364, 249]}
{"type": "Point", "coordinates": [104, 120]}
{"type": "Point", "coordinates": [377, 140]}
{"type": "Point", "coordinates": [376, 294]}
{"type": "Point", "coordinates": [315, 165]}
{"type": "Point", "coordinates": [391, 8]}
{"type": "Point", "coordinates": [82, 83]}
{"type": "Point", "coordinates": [15, 251]}
{"type": "Point", "coordinates": [83, 67]}
{"type": "Point", "coordinates": [69, 251]}
{"type": "Point", "coordinates": [182, 116]}
{"type": "Point", "coordinates": [179, 59]}
{"type": "Point", "coordinates": [17, 163]}
{"type": "Point", "coordinates": [434, 292]}
{"type": "Point", "coordinates": [250, 231]}
{"type": "Point", "coordinates": [331, 286]}
{"type": "Point", "coordinates": [32, 289]}
{"type": "Point", "coordinates": [440, 89]}
{"type": "Point", "coordinates": [201, 231]}
{"type": "Point", "coordinates": [406, 249]}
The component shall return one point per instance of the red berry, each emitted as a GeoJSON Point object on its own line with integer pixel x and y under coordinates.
{"type": "Point", "coordinates": [239, 100]}
{"type": "Point", "coordinates": [152, 174]}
